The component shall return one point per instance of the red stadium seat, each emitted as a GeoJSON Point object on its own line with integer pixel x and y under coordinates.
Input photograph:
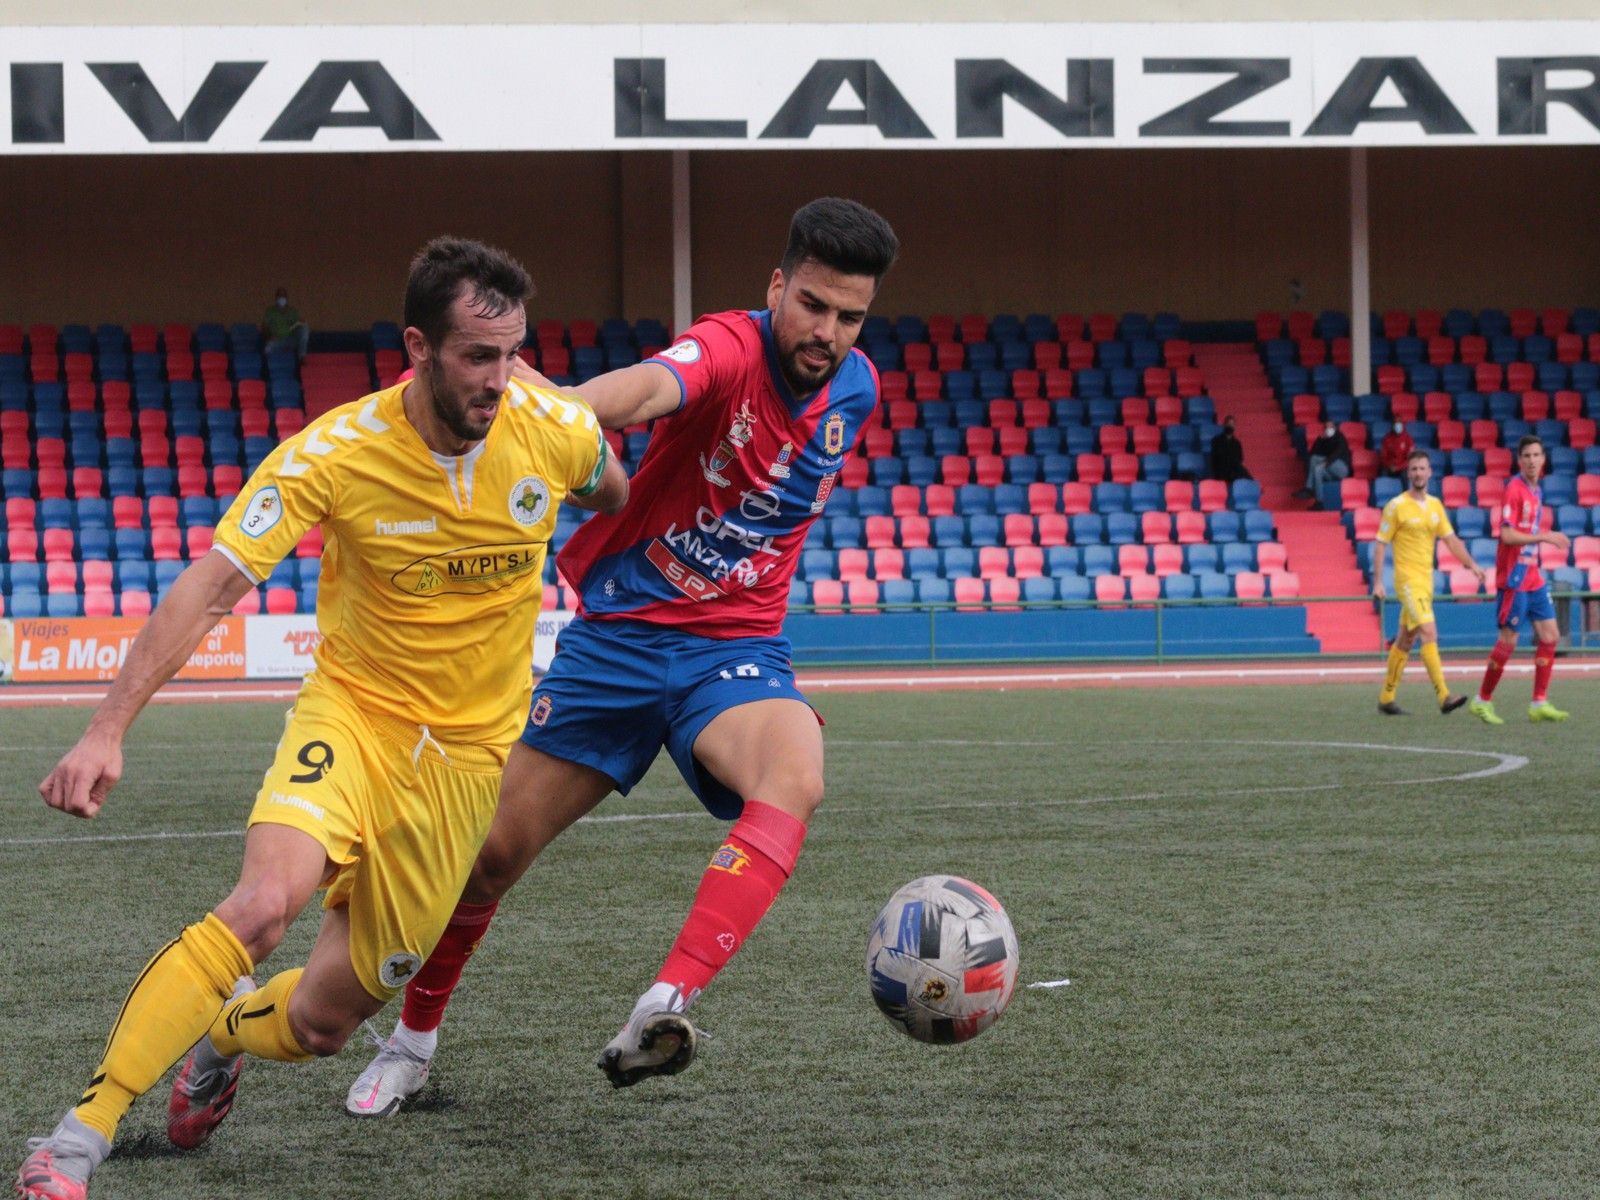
{"type": "Point", "coordinates": [1497, 461]}
{"type": "Point", "coordinates": [166, 542]}
{"type": "Point", "coordinates": [192, 480]}
{"type": "Point", "coordinates": [99, 602]}
{"type": "Point", "coordinates": [879, 531]}
{"type": "Point", "coordinates": [1053, 529]}
{"type": "Point", "coordinates": [252, 399]}
{"type": "Point", "coordinates": [1483, 433]}
{"type": "Point", "coordinates": [1313, 352]}
{"type": "Point", "coordinates": [1391, 379]}
{"type": "Point", "coordinates": [88, 482]}
{"type": "Point", "coordinates": [59, 546]}
{"type": "Point", "coordinates": [1005, 594]}
{"type": "Point", "coordinates": [134, 603]}
{"type": "Point", "coordinates": [1524, 322]}
{"type": "Point", "coordinates": [955, 470]}
{"type": "Point", "coordinates": [1396, 323]}
{"type": "Point", "coordinates": [227, 479]}
{"type": "Point", "coordinates": [1136, 409]}
{"type": "Point", "coordinates": [1017, 529]}
{"type": "Point", "coordinates": [1090, 469]}
{"type": "Point", "coordinates": [1569, 348]}
{"type": "Point", "coordinates": [905, 498]}
{"type": "Point", "coordinates": [163, 511]}
{"type": "Point", "coordinates": [914, 532]}
{"type": "Point", "coordinates": [1271, 556]}
{"type": "Point", "coordinates": [993, 560]}
{"type": "Point", "coordinates": [1057, 383]}
{"type": "Point", "coordinates": [1535, 404]}
{"type": "Point", "coordinates": [1473, 349]}
{"type": "Point", "coordinates": [1003, 412]}
{"type": "Point", "coordinates": [1489, 491]}
{"type": "Point", "coordinates": [1035, 414]}
{"type": "Point", "coordinates": [1132, 559]}
{"type": "Point", "coordinates": [1354, 493]}
{"type": "Point", "coordinates": [1487, 377]}
{"type": "Point", "coordinates": [310, 544]}
{"type": "Point", "coordinates": [60, 577]}
{"type": "Point", "coordinates": [862, 595]}
{"type": "Point", "coordinates": [1011, 440]}
{"type": "Point", "coordinates": [853, 563]}
{"type": "Point", "coordinates": [969, 594]}
{"type": "Point", "coordinates": [1144, 588]}
{"type": "Point", "coordinates": [1108, 588]}
{"type": "Point", "coordinates": [1113, 439]}
{"type": "Point", "coordinates": [1404, 406]}
{"type": "Point", "coordinates": [1452, 435]}
{"type": "Point", "coordinates": [197, 541]}
{"type": "Point", "coordinates": [939, 500]}
{"type": "Point", "coordinates": [1102, 327]}
{"type": "Point", "coordinates": [1027, 562]}
{"type": "Point", "coordinates": [918, 356]}
{"type": "Point", "coordinates": [1566, 405]}
{"type": "Point", "coordinates": [1284, 584]}
{"type": "Point", "coordinates": [1427, 322]}
{"type": "Point", "coordinates": [1047, 355]}
{"type": "Point", "coordinates": [1026, 384]}
{"type": "Point", "coordinates": [1191, 527]}
{"type": "Point", "coordinates": [828, 596]}
{"type": "Point", "coordinates": [1178, 495]}
{"type": "Point", "coordinates": [1166, 559]}
{"type": "Point", "coordinates": [895, 385]}
{"type": "Point", "coordinates": [1155, 527]}
{"type": "Point", "coordinates": [989, 470]}
{"type": "Point", "coordinates": [22, 544]}
{"type": "Point", "coordinates": [888, 563]}
{"type": "Point", "coordinates": [250, 604]}
{"type": "Point", "coordinates": [1145, 439]}
{"type": "Point", "coordinates": [1213, 496]}
{"type": "Point", "coordinates": [980, 440]}
{"type": "Point", "coordinates": [1069, 327]}
{"type": "Point", "coordinates": [1077, 497]}
{"type": "Point", "coordinates": [1455, 491]}
{"type": "Point", "coordinates": [1589, 490]}
{"type": "Point", "coordinates": [1249, 585]}
{"type": "Point", "coordinates": [1441, 350]}
{"type": "Point", "coordinates": [1366, 521]}
{"type": "Point", "coordinates": [1168, 411]}
{"type": "Point", "coordinates": [1124, 468]}
{"type": "Point", "coordinates": [1438, 406]}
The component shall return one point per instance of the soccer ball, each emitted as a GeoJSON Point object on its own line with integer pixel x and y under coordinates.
{"type": "Point", "coordinates": [942, 959]}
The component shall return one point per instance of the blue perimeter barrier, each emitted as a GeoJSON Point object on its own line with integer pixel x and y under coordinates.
{"type": "Point", "coordinates": [944, 635]}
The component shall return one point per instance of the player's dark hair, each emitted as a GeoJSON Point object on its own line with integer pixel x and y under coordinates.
{"type": "Point", "coordinates": [1526, 440]}
{"type": "Point", "coordinates": [496, 283]}
{"type": "Point", "coordinates": [841, 234]}
{"type": "Point", "coordinates": [1416, 454]}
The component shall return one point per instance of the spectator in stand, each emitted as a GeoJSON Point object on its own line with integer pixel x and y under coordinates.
{"type": "Point", "coordinates": [1330, 462]}
{"type": "Point", "coordinates": [1395, 453]}
{"type": "Point", "coordinates": [282, 327]}
{"type": "Point", "coordinates": [1227, 455]}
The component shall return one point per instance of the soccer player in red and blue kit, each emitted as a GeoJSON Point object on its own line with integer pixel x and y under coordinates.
{"type": "Point", "coordinates": [678, 638]}
{"type": "Point", "coordinates": [1523, 596]}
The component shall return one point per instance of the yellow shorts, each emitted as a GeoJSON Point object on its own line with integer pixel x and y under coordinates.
{"type": "Point", "coordinates": [1416, 604]}
{"type": "Point", "coordinates": [400, 816]}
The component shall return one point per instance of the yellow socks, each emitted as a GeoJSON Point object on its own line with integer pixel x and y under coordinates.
{"type": "Point", "coordinates": [175, 998]}
{"type": "Point", "coordinates": [258, 1023]}
{"type": "Point", "coordinates": [1430, 659]}
{"type": "Point", "coordinates": [1391, 678]}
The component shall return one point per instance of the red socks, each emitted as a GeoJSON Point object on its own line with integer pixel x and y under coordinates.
{"type": "Point", "coordinates": [1544, 661]}
{"type": "Point", "coordinates": [746, 874]}
{"type": "Point", "coordinates": [1498, 657]}
{"type": "Point", "coordinates": [429, 992]}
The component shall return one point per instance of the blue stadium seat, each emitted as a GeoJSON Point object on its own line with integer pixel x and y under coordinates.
{"type": "Point", "coordinates": [906, 441]}
{"type": "Point", "coordinates": [1258, 526]}
{"type": "Point", "coordinates": [958, 562]}
{"type": "Point", "coordinates": [922, 563]}
{"type": "Point", "coordinates": [132, 573]}
{"type": "Point", "coordinates": [1075, 587]}
{"type": "Point", "coordinates": [1213, 586]}
{"type": "Point", "coordinates": [1098, 560]}
{"type": "Point", "coordinates": [973, 499]}
{"type": "Point", "coordinates": [1023, 468]}
{"type": "Point", "coordinates": [1145, 496]}
{"type": "Point", "coordinates": [844, 533]}
{"type": "Point", "coordinates": [1558, 490]}
{"type": "Point", "coordinates": [949, 531]}
{"type": "Point", "coordinates": [871, 501]}
{"type": "Point", "coordinates": [1069, 412]}
{"type": "Point", "coordinates": [1470, 522]}
{"type": "Point", "coordinates": [920, 471]}
{"type": "Point", "coordinates": [1121, 528]}
{"type": "Point", "coordinates": [1572, 520]}
{"type": "Point", "coordinates": [1245, 494]}
{"type": "Point", "coordinates": [130, 543]}
{"type": "Point", "coordinates": [1238, 556]}
{"type": "Point", "coordinates": [897, 591]}
{"type": "Point", "coordinates": [1062, 560]}
{"type": "Point", "coordinates": [1041, 589]}
{"type": "Point", "coordinates": [1011, 498]}
{"type": "Point", "coordinates": [1053, 468]}
{"type": "Point", "coordinates": [1156, 468]}
{"type": "Point", "coordinates": [983, 530]}
{"type": "Point", "coordinates": [1223, 526]}
{"type": "Point", "coordinates": [63, 604]}
{"type": "Point", "coordinates": [945, 441]}
{"type": "Point", "coordinates": [25, 602]}
{"type": "Point", "coordinates": [887, 471]}
{"type": "Point", "coordinates": [816, 564]}
{"type": "Point", "coordinates": [933, 591]}
{"type": "Point", "coordinates": [1179, 587]}
{"type": "Point", "coordinates": [1201, 556]}
{"type": "Point", "coordinates": [1111, 497]}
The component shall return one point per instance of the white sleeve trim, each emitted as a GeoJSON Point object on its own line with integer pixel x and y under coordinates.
{"type": "Point", "coordinates": [237, 562]}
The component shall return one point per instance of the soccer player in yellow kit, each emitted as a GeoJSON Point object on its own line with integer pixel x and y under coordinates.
{"type": "Point", "coordinates": [437, 499]}
{"type": "Point", "coordinates": [1412, 522]}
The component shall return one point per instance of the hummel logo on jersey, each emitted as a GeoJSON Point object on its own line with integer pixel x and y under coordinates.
{"type": "Point", "coordinates": [402, 528]}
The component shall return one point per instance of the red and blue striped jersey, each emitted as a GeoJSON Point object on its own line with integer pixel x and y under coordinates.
{"type": "Point", "coordinates": [727, 489]}
{"type": "Point", "coordinates": [1517, 567]}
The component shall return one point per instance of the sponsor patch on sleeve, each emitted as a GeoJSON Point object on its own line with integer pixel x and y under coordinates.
{"type": "Point", "coordinates": [263, 512]}
{"type": "Point", "coordinates": [589, 485]}
{"type": "Point", "coordinates": [685, 351]}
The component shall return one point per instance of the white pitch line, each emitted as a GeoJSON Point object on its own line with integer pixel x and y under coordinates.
{"type": "Point", "coordinates": [1503, 764]}
{"type": "Point", "coordinates": [1052, 983]}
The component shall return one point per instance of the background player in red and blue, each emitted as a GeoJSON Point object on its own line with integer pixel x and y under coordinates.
{"type": "Point", "coordinates": [678, 640]}
{"type": "Point", "coordinates": [1524, 596]}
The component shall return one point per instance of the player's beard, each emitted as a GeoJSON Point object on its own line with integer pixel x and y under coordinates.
{"type": "Point", "coordinates": [455, 411]}
{"type": "Point", "coordinates": [802, 376]}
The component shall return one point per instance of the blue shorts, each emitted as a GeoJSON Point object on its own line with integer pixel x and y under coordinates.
{"type": "Point", "coordinates": [617, 691]}
{"type": "Point", "coordinates": [1516, 607]}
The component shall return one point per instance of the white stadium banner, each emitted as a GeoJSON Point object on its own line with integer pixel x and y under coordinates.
{"type": "Point", "coordinates": [282, 647]}
{"type": "Point", "coordinates": [166, 89]}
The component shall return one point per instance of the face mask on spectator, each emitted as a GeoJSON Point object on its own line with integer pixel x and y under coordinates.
{"type": "Point", "coordinates": [1399, 427]}
{"type": "Point", "coordinates": [283, 302]}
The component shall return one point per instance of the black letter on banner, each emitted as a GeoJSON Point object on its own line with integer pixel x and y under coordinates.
{"type": "Point", "coordinates": [130, 87]}
{"type": "Point", "coordinates": [388, 108]}
{"type": "Point", "coordinates": [1524, 94]}
{"type": "Point", "coordinates": [38, 108]}
{"type": "Point", "coordinates": [807, 107]}
{"type": "Point", "coordinates": [1252, 76]}
{"type": "Point", "coordinates": [641, 105]}
{"type": "Point", "coordinates": [983, 85]}
{"type": "Point", "coordinates": [1351, 105]}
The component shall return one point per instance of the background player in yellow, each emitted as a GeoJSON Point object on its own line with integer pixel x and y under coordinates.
{"type": "Point", "coordinates": [437, 499]}
{"type": "Point", "coordinates": [1412, 522]}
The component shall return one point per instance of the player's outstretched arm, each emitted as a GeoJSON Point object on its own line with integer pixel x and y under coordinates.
{"type": "Point", "coordinates": [632, 395]}
{"type": "Point", "coordinates": [1459, 548]}
{"type": "Point", "coordinates": [203, 594]}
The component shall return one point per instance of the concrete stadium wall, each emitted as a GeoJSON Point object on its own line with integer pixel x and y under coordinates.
{"type": "Point", "coordinates": [1210, 234]}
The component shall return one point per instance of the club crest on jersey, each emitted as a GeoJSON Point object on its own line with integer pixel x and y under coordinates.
{"type": "Point", "coordinates": [398, 969]}
{"type": "Point", "coordinates": [780, 465]}
{"type": "Point", "coordinates": [730, 858]}
{"type": "Point", "coordinates": [738, 437]}
{"type": "Point", "coordinates": [833, 435]}
{"type": "Point", "coordinates": [686, 352]}
{"type": "Point", "coordinates": [541, 711]}
{"type": "Point", "coordinates": [824, 490]}
{"type": "Point", "coordinates": [530, 500]}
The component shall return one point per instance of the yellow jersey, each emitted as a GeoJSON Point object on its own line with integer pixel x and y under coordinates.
{"type": "Point", "coordinates": [1412, 528]}
{"type": "Point", "coordinates": [431, 564]}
